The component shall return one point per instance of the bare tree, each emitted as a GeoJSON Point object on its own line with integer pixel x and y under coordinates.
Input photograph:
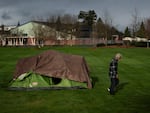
{"type": "Point", "coordinates": [69, 19]}
{"type": "Point", "coordinates": [52, 19]}
{"type": "Point", "coordinates": [147, 27]}
{"type": "Point", "coordinates": [42, 32]}
{"type": "Point", "coordinates": [135, 22]}
{"type": "Point", "coordinates": [107, 19]}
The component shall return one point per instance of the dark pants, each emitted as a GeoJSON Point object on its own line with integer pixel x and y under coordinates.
{"type": "Point", "coordinates": [114, 83]}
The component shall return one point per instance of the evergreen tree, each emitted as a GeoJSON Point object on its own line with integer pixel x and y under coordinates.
{"type": "Point", "coordinates": [18, 23]}
{"type": "Point", "coordinates": [127, 32]}
{"type": "Point", "coordinates": [88, 20]}
{"type": "Point", "coordinates": [100, 28]}
{"type": "Point", "coordinates": [58, 24]}
{"type": "Point", "coordinates": [100, 21]}
{"type": "Point", "coordinates": [141, 32]}
{"type": "Point", "coordinates": [88, 17]}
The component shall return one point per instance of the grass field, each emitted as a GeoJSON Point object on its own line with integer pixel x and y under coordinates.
{"type": "Point", "coordinates": [133, 95]}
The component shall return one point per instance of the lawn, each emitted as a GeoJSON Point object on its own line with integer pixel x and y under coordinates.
{"type": "Point", "coordinates": [133, 95]}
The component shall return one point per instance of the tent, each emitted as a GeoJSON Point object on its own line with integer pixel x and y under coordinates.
{"type": "Point", "coordinates": [51, 69]}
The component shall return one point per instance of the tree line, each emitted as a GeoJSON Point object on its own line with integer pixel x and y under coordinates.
{"type": "Point", "coordinates": [142, 30]}
{"type": "Point", "coordinates": [88, 23]}
{"type": "Point", "coordinates": [139, 27]}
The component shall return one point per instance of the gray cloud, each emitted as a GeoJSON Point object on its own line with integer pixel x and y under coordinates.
{"type": "Point", "coordinates": [9, 3]}
{"type": "Point", "coordinates": [6, 16]}
{"type": "Point", "coordinates": [24, 10]}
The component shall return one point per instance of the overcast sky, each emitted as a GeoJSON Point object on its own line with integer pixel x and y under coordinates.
{"type": "Point", "coordinates": [121, 11]}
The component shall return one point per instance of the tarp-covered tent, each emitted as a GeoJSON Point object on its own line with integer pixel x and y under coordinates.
{"type": "Point", "coordinates": [51, 69]}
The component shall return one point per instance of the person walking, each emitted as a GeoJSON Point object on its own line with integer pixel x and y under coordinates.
{"type": "Point", "coordinates": [113, 73]}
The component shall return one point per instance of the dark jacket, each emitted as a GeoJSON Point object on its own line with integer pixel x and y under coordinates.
{"type": "Point", "coordinates": [113, 68]}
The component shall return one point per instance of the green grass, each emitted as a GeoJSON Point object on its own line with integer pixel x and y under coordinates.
{"type": "Point", "coordinates": [133, 96]}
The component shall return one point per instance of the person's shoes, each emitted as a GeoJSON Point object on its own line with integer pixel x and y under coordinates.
{"type": "Point", "coordinates": [112, 93]}
{"type": "Point", "coordinates": [108, 89]}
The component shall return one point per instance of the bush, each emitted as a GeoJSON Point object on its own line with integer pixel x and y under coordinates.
{"type": "Point", "coordinates": [100, 44]}
{"type": "Point", "coordinates": [140, 44]}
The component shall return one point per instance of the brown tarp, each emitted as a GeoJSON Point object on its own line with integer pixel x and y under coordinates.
{"type": "Point", "coordinates": [55, 64]}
